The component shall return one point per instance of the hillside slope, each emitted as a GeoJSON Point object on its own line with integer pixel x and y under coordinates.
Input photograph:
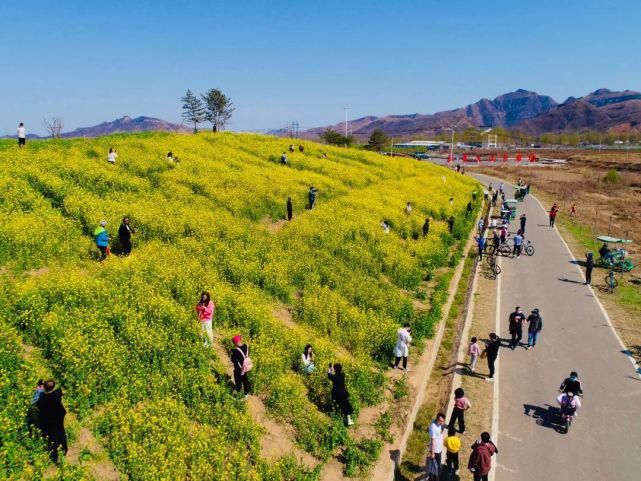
{"type": "Point", "coordinates": [121, 336]}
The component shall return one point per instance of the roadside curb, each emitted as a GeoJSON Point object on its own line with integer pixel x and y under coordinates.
{"type": "Point", "coordinates": [396, 455]}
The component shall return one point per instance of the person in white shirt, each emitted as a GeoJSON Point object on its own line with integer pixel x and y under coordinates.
{"type": "Point", "coordinates": [408, 208]}
{"type": "Point", "coordinates": [307, 360]}
{"type": "Point", "coordinates": [22, 135]}
{"type": "Point", "coordinates": [111, 158]}
{"type": "Point", "coordinates": [402, 348]}
{"type": "Point", "coordinates": [436, 439]}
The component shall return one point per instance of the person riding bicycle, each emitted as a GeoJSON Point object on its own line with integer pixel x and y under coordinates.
{"type": "Point", "coordinates": [570, 403]}
{"type": "Point", "coordinates": [572, 384]}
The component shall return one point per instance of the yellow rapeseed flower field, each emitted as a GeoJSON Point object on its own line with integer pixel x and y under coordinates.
{"type": "Point", "coordinates": [121, 336]}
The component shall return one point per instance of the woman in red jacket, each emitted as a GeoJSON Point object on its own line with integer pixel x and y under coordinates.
{"type": "Point", "coordinates": [206, 308]}
{"type": "Point", "coordinates": [481, 458]}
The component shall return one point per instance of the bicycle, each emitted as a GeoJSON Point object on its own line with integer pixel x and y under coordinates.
{"type": "Point", "coordinates": [491, 260]}
{"type": "Point", "coordinates": [529, 248]}
{"type": "Point", "coordinates": [611, 281]}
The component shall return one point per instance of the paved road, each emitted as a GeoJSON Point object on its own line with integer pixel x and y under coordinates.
{"type": "Point", "coordinates": [604, 442]}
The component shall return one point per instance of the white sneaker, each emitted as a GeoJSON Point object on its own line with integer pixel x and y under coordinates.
{"type": "Point", "coordinates": [490, 379]}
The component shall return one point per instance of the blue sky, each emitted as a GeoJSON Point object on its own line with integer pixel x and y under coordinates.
{"type": "Point", "coordinates": [89, 61]}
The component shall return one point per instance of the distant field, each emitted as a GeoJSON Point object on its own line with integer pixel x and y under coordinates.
{"type": "Point", "coordinates": [121, 337]}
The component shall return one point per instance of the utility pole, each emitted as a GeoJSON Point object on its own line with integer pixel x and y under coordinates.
{"type": "Point", "coordinates": [346, 110]}
{"type": "Point", "coordinates": [295, 127]}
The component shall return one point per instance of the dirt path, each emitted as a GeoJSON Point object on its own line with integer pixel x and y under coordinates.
{"type": "Point", "coordinates": [87, 451]}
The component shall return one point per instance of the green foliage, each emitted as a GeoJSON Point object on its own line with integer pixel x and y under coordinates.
{"type": "Point", "coordinates": [359, 456]}
{"type": "Point", "coordinates": [332, 137]}
{"type": "Point", "coordinates": [400, 387]}
{"type": "Point", "coordinates": [218, 108]}
{"type": "Point", "coordinates": [382, 426]}
{"type": "Point", "coordinates": [612, 177]}
{"type": "Point", "coordinates": [377, 140]}
{"type": "Point", "coordinates": [193, 110]}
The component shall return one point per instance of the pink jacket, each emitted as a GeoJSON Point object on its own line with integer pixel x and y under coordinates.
{"type": "Point", "coordinates": [206, 313]}
{"type": "Point", "coordinates": [475, 349]}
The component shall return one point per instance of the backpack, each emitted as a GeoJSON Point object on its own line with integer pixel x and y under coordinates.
{"type": "Point", "coordinates": [248, 364]}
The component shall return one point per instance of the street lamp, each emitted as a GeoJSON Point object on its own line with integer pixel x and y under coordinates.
{"type": "Point", "coordinates": [346, 110]}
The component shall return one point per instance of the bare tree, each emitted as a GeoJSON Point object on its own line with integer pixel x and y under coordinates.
{"type": "Point", "coordinates": [53, 126]}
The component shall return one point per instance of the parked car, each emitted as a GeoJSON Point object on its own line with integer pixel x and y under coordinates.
{"type": "Point", "coordinates": [421, 156]}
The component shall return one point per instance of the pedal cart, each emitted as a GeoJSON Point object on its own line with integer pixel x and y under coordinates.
{"type": "Point", "coordinates": [612, 254]}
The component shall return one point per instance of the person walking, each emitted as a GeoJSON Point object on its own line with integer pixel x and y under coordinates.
{"type": "Point", "coordinates": [480, 463]}
{"type": "Point", "coordinates": [496, 243]}
{"type": "Point", "coordinates": [124, 236]}
{"type": "Point", "coordinates": [206, 309]}
{"type": "Point", "coordinates": [491, 352]}
{"type": "Point", "coordinates": [450, 224]}
{"type": "Point", "coordinates": [307, 360]}
{"type": "Point", "coordinates": [340, 396]}
{"type": "Point", "coordinates": [101, 237]}
{"type": "Point", "coordinates": [436, 441]}
{"type": "Point", "coordinates": [518, 245]}
{"type": "Point", "coordinates": [283, 159]}
{"type": "Point", "coordinates": [481, 226]}
{"type": "Point", "coordinates": [426, 227]}
{"type": "Point", "coordinates": [589, 265]}
{"type": "Point", "coordinates": [111, 157]}
{"type": "Point", "coordinates": [480, 242]}
{"type": "Point", "coordinates": [242, 365]}
{"type": "Point", "coordinates": [402, 347]}
{"type": "Point", "coordinates": [517, 318]}
{"type": "Point", "coordinates": [553, 212]}
{"type": "Point", "coordinates": [312, 196]}
{"type": "Point", "coordinates": [290, 209]}
{"type": "Point", "coordinates": [51, 414]}
{"type": "Point", "coordinates": [474, 351]}
{"type": "Point", "coordinates": [573, 210]}
{"type": "Point", "coordinates": [523, 220]}
{"type": "Point", "coordinates": [452, 446]}
{"type": "Point", "coordinates": [534, 327]}
{"type": "Point", "coordinates": [22, 135]}
{"type": "Point", "coordinates": [461, 404]}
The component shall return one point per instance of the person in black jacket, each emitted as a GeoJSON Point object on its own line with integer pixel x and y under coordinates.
{"type": "Point", "coordinates": [340, 396]}
{"type": "Point", "coordinates": [572, 384]}
{"type": "Point", "coordinates": [290, 208]}
{"type": "Point", "coordinates": [523, 220]}
{"type": "Point", "coordinates": [426, 227]}
{"type": "Point", "coordinates": [51, 418]}
{"type": "Point", "coordinates": [124, 236]}
{"type": "Point", "coordinates": [589, 265]}
{"type": "Point", "coordinates": [491, 352]}
{"type": "Point", "coordinates": [238, 356]}
{"type": "Point", "coordinates": [517, 318]}
{"type": "Point", "coordinates": [450, 224]}
{"type": "Point", "coordinates": [534, 327]}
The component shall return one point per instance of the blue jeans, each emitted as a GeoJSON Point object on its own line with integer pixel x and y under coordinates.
{"type": "Point", "coordinates": [531, 338]}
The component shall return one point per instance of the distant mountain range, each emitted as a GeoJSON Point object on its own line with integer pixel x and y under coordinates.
{"type": "Point", "coordinates": [122, 125]}
{"type": "Point", "coordinates": [522, 110]}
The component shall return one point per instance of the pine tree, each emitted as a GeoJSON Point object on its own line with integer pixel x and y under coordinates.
{"type": "Point", "coordinates": [219, 108]}
{"type": "Point", "coordinates": [193, 109]}
{"type": "Point", "coordinates": [377, 140]}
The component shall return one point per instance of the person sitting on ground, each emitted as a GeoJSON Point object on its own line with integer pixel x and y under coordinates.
{"type": "Point", "coordinates": [480, 463]}
{"type": "Point", "coordinates": [402, 347]}
{"type": "Point", "coordinates": [572, 384]}
{"type": "Point", "coordinates": [101, 237]}
{"type": "Point", "coordinates": [111, 157]}
{"type": "Point", "coordinates": [426, 227]}
{"type": "Point", "coordinates": [340, 396]}
{"type": "Point", "coordinates": [242, 365]}
{"type": "Point", "coordinates": [307, 360]}
{"type": "Point", "coordinates": [51, 414]}
{"type": "Point", "coordinates": [301, 148]}
{"type": "Point", "coordinates": [206, 309]}
{"type": "Point", "coordinates": [283, 159]}
{"type": "Point", "coordinates": [170, 156]}
{"type": "Point", "coordinates": [291, 148]}
{"type": "Point", "coordinates": [324, 155]}
{"type": "Point", "coordinates": [124, 236]}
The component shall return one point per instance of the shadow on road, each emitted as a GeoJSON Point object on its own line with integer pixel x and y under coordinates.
{"type": "Point", "coordinates": [547, 417]}
{"type": "Point", "coordinates": [564, 279]}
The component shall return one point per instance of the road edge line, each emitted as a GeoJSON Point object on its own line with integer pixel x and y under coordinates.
{"type": "Point", "coordinates": [625, 349]}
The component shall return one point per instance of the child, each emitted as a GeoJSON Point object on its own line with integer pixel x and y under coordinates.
{"type": "Point", "coordinates": [461, 404]}
{"type": "Point", "coordinates": [474, 351]}
{"type": "Point", "coordinates": [453, 445]}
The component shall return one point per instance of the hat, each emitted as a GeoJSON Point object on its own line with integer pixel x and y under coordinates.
{"type": "Point", "coordinates": [236, 339]}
